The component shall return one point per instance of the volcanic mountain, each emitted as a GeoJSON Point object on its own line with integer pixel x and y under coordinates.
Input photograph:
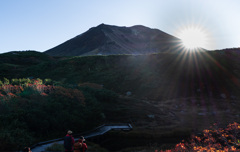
{"type": "Point", "coordinates": [108, 40]}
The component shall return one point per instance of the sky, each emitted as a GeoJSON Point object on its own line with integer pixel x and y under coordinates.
{"type": "Point", "coordinates": [43, 24]}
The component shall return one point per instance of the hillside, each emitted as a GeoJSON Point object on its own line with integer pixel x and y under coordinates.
{"type": "Point", "coordinates": [109, 40]}
{"type": "Point", "coordinates": [164, 92]}
{"type": "Point", "coordinates": [157, 76]}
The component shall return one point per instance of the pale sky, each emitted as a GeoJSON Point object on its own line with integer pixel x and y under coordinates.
{"type": "Point", "coordinates": [43, 24]}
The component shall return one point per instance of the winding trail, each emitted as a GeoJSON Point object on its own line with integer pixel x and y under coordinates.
{"type": "Point", "coordinates": [40, 147]}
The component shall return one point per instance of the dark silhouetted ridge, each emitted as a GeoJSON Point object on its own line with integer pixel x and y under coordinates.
{"type": "Point", "coordinates": [108, 39]}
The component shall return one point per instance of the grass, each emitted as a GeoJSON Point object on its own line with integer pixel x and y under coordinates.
{"type": "Point", "coordinates": [55, 147]}
{"type": "Point", "coordinates": [140, 139]}
{"type": "Point", "coordinates": [92, 147]}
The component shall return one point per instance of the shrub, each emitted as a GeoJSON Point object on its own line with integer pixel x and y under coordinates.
{"type": "Point", "coordinates": [25, 81]}
{"type": "Point", "coordinates": [5, 81]}
{"type": "Point", "coordinates": [28, 92]}
{"type": "Point", "coordinates": [214, 139]}
{"type": "Point", "coordinates": [102, 95]}
{"type": "Point", "coordinates": [72, 94]}
{"type": "Point", "coordinates": [41, 112]}
{"type": "Point", "coordinates": [55, 147]}
{"type": "Point", "coordinates": [38, 81]}
{"type": "Point", "coordinates": [14, 136]}
{"type": "Point", "coordinates": [15, 81]}
{"type": "Point", "coordinates": [48, 82]}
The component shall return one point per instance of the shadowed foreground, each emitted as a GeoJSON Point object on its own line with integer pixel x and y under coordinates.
{"type": "Point", "coordinates": [39, 147]}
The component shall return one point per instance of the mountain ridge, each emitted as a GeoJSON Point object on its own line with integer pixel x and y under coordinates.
{"type": "Point", "coordinates": [110, 39]}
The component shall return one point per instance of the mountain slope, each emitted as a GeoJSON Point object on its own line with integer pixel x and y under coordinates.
{"type": "Point", "coordinates": [108, 40]}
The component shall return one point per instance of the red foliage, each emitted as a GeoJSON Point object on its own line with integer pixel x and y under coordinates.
{"type": "Point", "coordinates": [1, 95]}
{"type": "Point", "coordinates": [218, 139]}
{"type": "Point", "coordinates": [43, 94]}
{"type": "Point", "coordinates": [11, 94]}
{"type": "Point", "coordinates": [13, 90]}
{"type": "Point", "coordinates": [44, 90]}
{"type": "Point", "coordinates": [73, 94]}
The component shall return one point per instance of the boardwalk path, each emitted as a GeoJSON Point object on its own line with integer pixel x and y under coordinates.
{"type": "Point", "coordinates": [40, 147]}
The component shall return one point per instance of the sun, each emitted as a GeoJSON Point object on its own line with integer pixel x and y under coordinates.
{"type": "Point", "coordinates": [193, 37]}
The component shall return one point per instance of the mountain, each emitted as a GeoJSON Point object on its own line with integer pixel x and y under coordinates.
{"type": "Point", "coordinates": [108, 40]}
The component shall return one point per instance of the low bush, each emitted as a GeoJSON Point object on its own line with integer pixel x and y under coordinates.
{"type": "Point", "coordinates": [213, 139]}
{"type": "Point", "coordinates": [38, 112]}
{"type": "Point", "coordinates": [55, 147]}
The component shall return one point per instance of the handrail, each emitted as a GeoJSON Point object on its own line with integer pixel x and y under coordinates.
{"type": "Point", "coordinates": [83, 134]}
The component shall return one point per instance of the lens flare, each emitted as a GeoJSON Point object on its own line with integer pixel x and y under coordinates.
{"type": "Point", "coordinates": [193, 37]}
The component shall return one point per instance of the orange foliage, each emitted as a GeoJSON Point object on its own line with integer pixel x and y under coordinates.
{"type": "Point", "coordinates": [11, 94]}
{"type": "Point", "coordinates": [14, 90]}
{"type": "Point", "coordinates": [10, 91]}
{"type": "Point", "coordinates": [218, 139]}
{"type": "Point", "coordinates": [73, 94]}
{"type": "Point", "coordinates": [43, 94]}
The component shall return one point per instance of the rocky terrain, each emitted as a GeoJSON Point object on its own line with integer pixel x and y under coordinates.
{"type": "Point", "coordinates": [109, 40]}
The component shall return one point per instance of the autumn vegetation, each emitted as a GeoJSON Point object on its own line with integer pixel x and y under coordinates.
{"type": "Point", "coordinates": [16, 87]}
{"type": "Point", "coordinates": [33, 110]}
{"type": "Point", "coordinates": [214, 139]}
{"type": "Point", "coordinates": [146, 76]}
{"type": "Point", "coordinates": [43, 96]}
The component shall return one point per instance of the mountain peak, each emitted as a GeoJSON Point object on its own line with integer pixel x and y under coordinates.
{"type": "Point", "coordinates": [139, 26]}
{"type": "Point", "coordinates": [110, 39]}
{"type": "Point", "coordinates": [102, 25]}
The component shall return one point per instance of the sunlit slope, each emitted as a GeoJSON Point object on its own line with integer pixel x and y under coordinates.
{"type": "Point", "coordinates": [158, 76]}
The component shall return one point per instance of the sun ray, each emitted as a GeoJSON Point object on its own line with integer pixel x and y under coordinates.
{"type": "Point", "coordinates": [193, 37]}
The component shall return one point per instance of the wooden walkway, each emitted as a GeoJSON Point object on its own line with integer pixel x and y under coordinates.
{"type": "Point", "coordinates": [40, 147]}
